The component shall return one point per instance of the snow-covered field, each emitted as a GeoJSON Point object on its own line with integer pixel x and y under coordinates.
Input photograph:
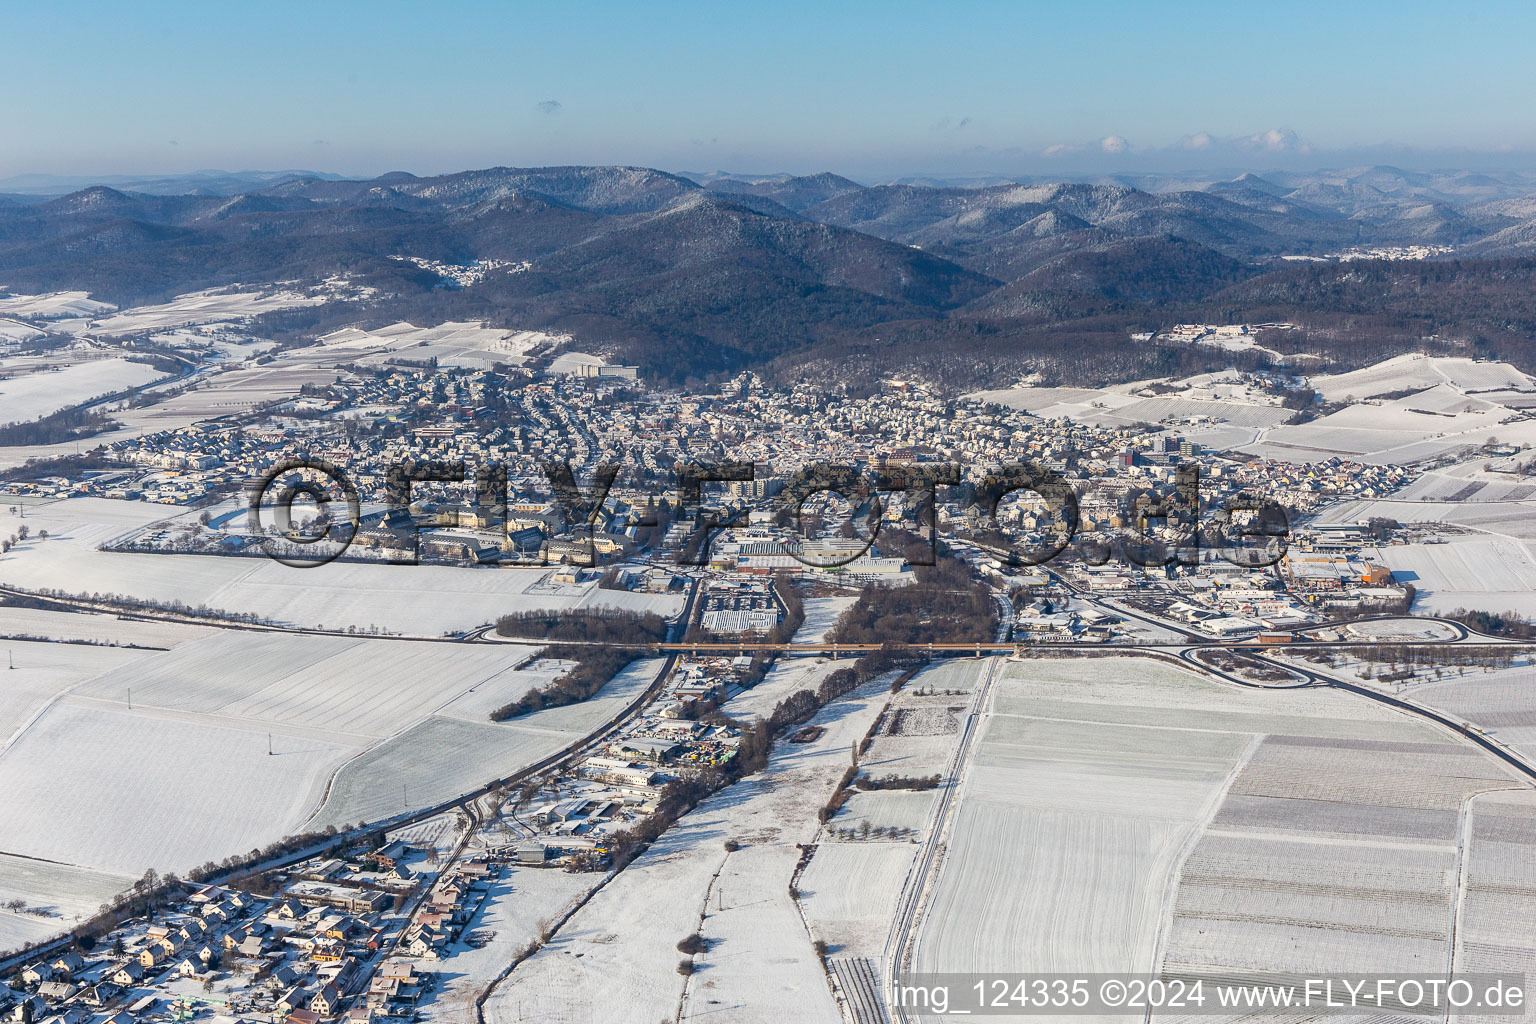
{"type": "Point", "coordinates": [1414, 370]}
{"type": "Point", "coordinates": [1208, 400]}
{"type": "Point", "coordinates": [362, 689]}
{"type": "Point", "coordinates": [1068, 829]}
{"type": "Point", "coordinates": [443, 757]}
{"type": "Point", "coordinates": [160, 759]}
{"type": "Point", "coordinates": [902, 809]}
{"type": "Point", "coordinates": [124, 791]}
{"type": "Point", "coordinates": [59, 892]}
{"type": "Point", "coordinates": [1491, 573]}
{"type": "Point", "coordinates": [821, 614]}
{"type": "Point", "coordinates": [34, 673]}
{"type": "Point", "coordinates": [417, 600]}
{"type": "Point", "coordinates": [1095, 778]}
{"type": "Point", "coordinates": [52, 305]}
{"type": "Point", "coordinates": [1498, 930]}
{"type": "Point", "coordinates": [16, 331]}
{"type": "Point", "coordinates": [849, 891]}
{"type": "Point", "coordinates": [213, 306]}
{"type": "Point", "coordinates": [1397, 431]}
{"type": "Point", "coordinates": [1332, 854]}
{"type": "Point", "coordinates": [95, 628]}
{"type": "Point", "coordinates": [1501, 702]}
{"type": "Point", "coordinates": [469, 345]}
{"type": "Point", "coordinates": [35, 395]}
{"type": "Point", "coordinates": [232, 391]}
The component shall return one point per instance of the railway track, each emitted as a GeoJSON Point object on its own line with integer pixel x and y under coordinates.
{"type": "Point", "coordinates": [903, 933]}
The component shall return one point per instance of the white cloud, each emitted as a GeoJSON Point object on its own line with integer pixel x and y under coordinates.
{"type": "Point", "coordinates": [1277, 140]}
{"type": "Point", "coordinates": [1114, 144]}
{"type": "Point", "coordinates": [1061, 149]}
{"type": "Point", "coordinates": [1199, 140]}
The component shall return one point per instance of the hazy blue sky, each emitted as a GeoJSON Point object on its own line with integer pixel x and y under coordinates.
{"type": "Point", "coordinates": [872, 89]}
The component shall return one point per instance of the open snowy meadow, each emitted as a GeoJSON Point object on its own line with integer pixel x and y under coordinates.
{"type": "Point", "coordinates": [31, 396]}
{"type": "Point", "coordinates": [122, 760]}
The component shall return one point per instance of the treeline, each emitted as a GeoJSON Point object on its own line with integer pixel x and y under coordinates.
{"type": "Point", "coordinates": [919, 783]}
{"type": "Point", "coordinates": [794, 609]}
{"type": "Point", "coordinates": [595, 667]}
{"type": "Point", "coordinates": [69, 425]}
{"type": "Point", "coordinates": [48, 597]}
{"type": "Point", "coordinates": [1505, 624]}
{"type": "Point", "coordinates": [1413, 656]}
{"type": "Point", "coordinates": [592, 626]}
{"type": "Point", "coordinates": [944, 605]}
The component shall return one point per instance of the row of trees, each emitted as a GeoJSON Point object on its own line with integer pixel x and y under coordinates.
{"type": "Point", "coordinates": [583, 625]}
{"type": "Point", "coordinates": [595, 667]}
{"type": "Point", "coordinates": [944, 605]}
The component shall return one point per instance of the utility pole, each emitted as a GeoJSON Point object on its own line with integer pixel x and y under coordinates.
{"type": "Point", "coordinates": [269, 744]}
{"type": "Point", "coordinates": [130, 698]}
{"type": "Point", "coordinates": [11, 657]}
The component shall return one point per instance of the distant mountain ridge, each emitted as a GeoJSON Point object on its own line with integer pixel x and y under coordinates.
{"type": "Point", "coordinates": [687, 275]}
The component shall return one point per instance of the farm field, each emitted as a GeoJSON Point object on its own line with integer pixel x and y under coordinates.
{"type": "Point", "coordinates": [1121, 406]}
{"type": "Point", "coordinates": [43, 671]}
{"type": "Point", "coordinates": [894, 808]}
{"type": "Point", "coordinates": [32, 396]}
{"type": "Point", "coordinates": [1454, 404]}
{"type": "Point", "coordinates": [626, 935]}
{"type": "Point", "coordinates": [362, 688]}
{"type": "Point", "coordinates": [52, 305]}
{"type": "Point", "coordinates": [16, 331]}
{"type": "Point", "coordinates": [57, 891]}
{"type": "Point", "coordinates": [1332, 854]}
{"type": "Point", "coordinates": [212, 306]}
{"type": "Point", "coordinates": [123, 792]}
{"type": "Point", "coordinates": [849, 892]}
{"type": "Point", "coordinates": [1491, 573]}
{"type": "Point", "coordinates": [184, 775]}
{"type": "Point", "coordinates": [1094, 817]}
{"type": "Point", "coordinates": [1119, 786]}
{"type": "Point", "coordinates": [1465, 482]}
{"type": "Point", "coordinates": [1498, 931]}
{"type": "Point", "coordinates": [231, 391]}
{"type": "Point", "coordinates": [1502, 702]}
{"type": "Point", "coordinates": [1419, 371]}
{"type": "Point", "coordinates": [468, 344]}
{"type": "Point", "coordinates": [426, 600]}
{"type": "Point", "coordinates": [757, 962]}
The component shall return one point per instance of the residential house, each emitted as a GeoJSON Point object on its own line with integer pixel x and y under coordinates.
{"type": "Point", "coordinates": [128, 974]}
{"type": "Point", "coordinates": [37, 974]}
{"type": "Point", "coordinates": [69, 963]}
{"type": "Point", "coordinates": [296, 998]}
{"type": "Point", "coordinates": [327, 1002]}
{"type": "Point", "coordinates": [57, 991]}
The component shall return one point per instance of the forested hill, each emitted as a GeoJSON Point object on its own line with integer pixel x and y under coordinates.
{"type": "Point", "coordinates": [691, 277]}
